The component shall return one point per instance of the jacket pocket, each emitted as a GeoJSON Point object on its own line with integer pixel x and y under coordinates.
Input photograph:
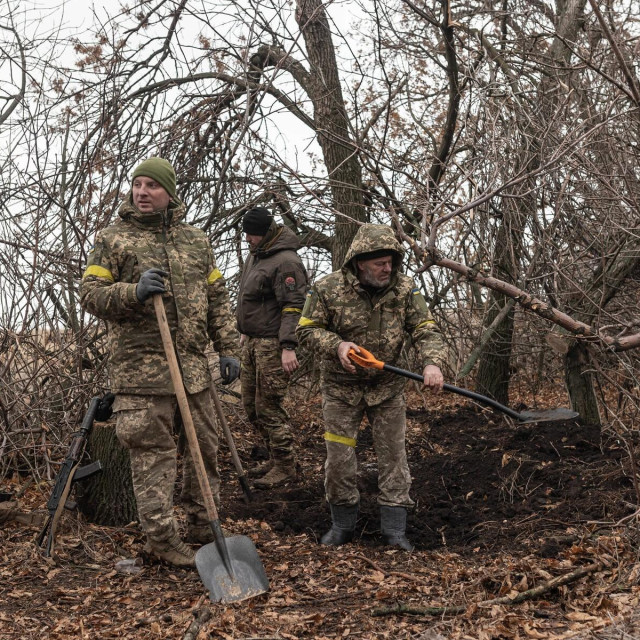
{"type": "Point", "coordinates": [130, 268]}
{"type": "Point", "coordinates": [257, 287]}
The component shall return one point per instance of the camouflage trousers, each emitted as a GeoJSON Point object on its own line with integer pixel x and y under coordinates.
{"type": "Point", "coordinates": [388, 424]}
{"type": "Point", "coordinates": [145, 426]}
{"type": "Point", "coordinates": [264, 385]}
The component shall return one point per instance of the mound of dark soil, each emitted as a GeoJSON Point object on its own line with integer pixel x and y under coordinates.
{"type": "Point", "coordinates": [479, 482]}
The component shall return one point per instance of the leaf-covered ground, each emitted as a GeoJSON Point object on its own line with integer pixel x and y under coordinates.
{"type": "Point", "coordinates": [500, 509]}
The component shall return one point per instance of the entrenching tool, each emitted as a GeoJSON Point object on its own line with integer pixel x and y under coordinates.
{"type": "Point", "coordinates": [244, 483]}
{"type": "Point", "coordinates": [229, 567]}
{"type": "Point", "coordinates": [367, 359]}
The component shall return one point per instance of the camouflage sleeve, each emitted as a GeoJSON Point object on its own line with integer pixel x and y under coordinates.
{"type": "Point", "coordinates": [290, 286]}
{"type": "Point", "coordinates": [425, 333]}
{"type": "Point", "coordinates": [221, 324]}
{"type": "Point", "coordinates": [313, 327]}
{"type": "Point", "coordinates": [101, 292]}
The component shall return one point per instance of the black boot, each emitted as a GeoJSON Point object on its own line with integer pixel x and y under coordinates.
{"type": "Point", "coordinates": [344, 524]}
{"type": "Point", "coordinates": [393, 524]}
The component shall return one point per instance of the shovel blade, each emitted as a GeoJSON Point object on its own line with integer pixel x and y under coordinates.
{"type": "Point", "coordinates": [548, 415]}
{"type": "Point", "coordinates": [247, 577]}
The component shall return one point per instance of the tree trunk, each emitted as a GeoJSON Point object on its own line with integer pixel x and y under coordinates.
{"type": "Point", "coordinates": [493, 372]}
{"type": "Point", "coordinates": [331, 120]}
{"type": "Point", "coordinates": [579, 381]}
{"type": "Point", "coordinates": [107, 498]}
{"type": "Point", "coordinates": [493, 375]}
{"type": "Point", "coordinates": [606, 282]}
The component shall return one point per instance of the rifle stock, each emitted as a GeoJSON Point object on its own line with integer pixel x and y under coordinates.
{"type": "Point", "coordinates": [67, 475]}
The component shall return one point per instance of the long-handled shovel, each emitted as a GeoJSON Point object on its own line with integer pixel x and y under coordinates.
{"type": "Point", "coordinates": [367, 359]}
{"type": "Point", "coordinates": [244, 483]}
{"type": "Point", "coordinates": [229, 567]}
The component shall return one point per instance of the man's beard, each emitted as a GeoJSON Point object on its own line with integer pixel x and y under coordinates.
{"type": "Point", "coordinates": [368, 280]}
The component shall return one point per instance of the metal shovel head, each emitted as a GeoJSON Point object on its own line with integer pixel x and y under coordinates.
{"type": "Point", "coordinates": [548, 415]}
{"type": "Point", "coordinates": [245, 578]}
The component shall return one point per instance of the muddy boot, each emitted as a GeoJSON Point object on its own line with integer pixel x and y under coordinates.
{"type": "Point", "coordinates": [261, 469]}
{"type": "Point", "coordinates": [199, 530]}
{"type": "Point", "coordinates": [343, 524]}
{"type": "Point", "coordinates": [393, 524]}
{"type": "Point", "coordinates": [201, 533]}
{"type": "Point", "coordinates": [279, 474]}
{"type": "Point", "coordinates": [173, 551]}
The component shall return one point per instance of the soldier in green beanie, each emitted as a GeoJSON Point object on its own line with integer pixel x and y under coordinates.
{"type": "Point", "coordinates": [159, 170]}
{"type": "Point", "coordinates": [148, 251]}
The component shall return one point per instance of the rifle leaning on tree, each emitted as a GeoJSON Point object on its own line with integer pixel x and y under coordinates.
{"type": "Point", "coordinates": [70, 471]}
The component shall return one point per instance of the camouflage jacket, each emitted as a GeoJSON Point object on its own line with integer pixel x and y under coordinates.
{"type": "Point", "coordinates": [197, 302]}
{"type": "Point", "coordinates": [272, 288]}
{"type": "Point", "coordinates": [339, 309]}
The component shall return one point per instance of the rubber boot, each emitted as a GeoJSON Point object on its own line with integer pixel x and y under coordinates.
{"type": "Point", "coordinates": [174, 551]}
{"type": "Point", "coordinates": [393, 524]}
{"type": "Point", "coordinates": [343, 525]}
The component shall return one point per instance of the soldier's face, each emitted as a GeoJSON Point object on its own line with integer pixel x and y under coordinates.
{"type": "Point", "coordinates": [376, 272]}
{"type": "Point", "coordinates": [149, 196]}
{"type": "Point", "coordinates": [253, 241]}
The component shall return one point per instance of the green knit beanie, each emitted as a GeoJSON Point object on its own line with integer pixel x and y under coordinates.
{"type": "Point", "coordinates": [159, 170]}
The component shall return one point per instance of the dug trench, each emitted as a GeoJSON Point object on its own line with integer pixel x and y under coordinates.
{"type": "Point", "coordinates": [479, 482]}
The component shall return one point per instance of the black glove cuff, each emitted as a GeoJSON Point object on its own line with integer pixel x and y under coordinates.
{"type": "Point", "coordinates": [105, 407]}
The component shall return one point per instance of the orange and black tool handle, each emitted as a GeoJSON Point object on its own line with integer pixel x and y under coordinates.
{"type": "Point", "coordinates": [366, 359]}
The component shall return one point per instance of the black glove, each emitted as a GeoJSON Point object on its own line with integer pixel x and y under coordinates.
{"type": "Point", "coordinates": [229, 369]}
{"type": "Point", "coordinates": [104, 410]}
{"type": "Point", "coordinates": [150, 283]}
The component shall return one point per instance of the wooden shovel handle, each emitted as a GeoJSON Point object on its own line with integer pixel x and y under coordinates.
{"type": "Point", "coordinates": [226, 430]}
{"type": "Point", "coordinates": [231, 444]}
{"type": "Point", "coordinates": [185, 412]}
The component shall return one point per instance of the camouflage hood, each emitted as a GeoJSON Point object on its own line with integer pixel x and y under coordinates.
{"type": "Point", "coordinates": [340, 309]}
{"type": "Point", "coordinates": [174, 213]}
{"type": "Point", "coordinates": [373, 237]}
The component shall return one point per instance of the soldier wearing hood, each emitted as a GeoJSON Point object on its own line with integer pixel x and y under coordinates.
{"type": "Point", "coordinates": [149, 251]}
{"type": "Point", "coordinates": [272, 291]}
{"type": "Point", "coordinates": [368, 303]}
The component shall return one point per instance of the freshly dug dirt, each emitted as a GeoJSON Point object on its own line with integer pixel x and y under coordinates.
{"type": "Point", "coordinates": [479, 481]}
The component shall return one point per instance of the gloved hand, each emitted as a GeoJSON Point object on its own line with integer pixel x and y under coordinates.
{"type": "Point", "coordinates": [104, 410]}
{"type": "Point", "coordinates": [151, 282]}
{"type": "Point", "coordinates": [229, 369]}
